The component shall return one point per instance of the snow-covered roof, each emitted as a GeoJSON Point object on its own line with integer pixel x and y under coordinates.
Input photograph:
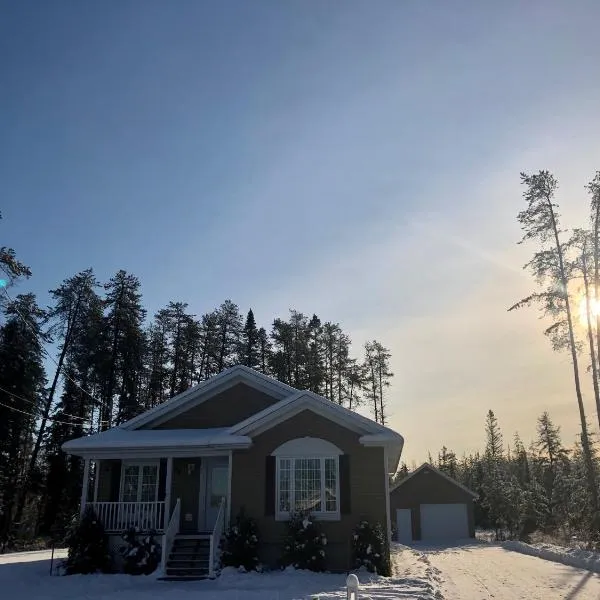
{"type": "Point", "coordinates": [173, 442]}
{"type": "Point", "coordinates": [207, 389]}
{"type": "Point", "coordinates": [373, 434]}
{"type": "Point", "coordinates": [427, 466]}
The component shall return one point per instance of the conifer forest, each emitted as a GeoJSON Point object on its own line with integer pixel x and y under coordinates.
{"type": "Point", "coordinates": [95, 358]}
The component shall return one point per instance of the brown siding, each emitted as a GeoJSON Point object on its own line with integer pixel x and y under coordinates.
{"type": "Point", "coordinates": [427, 487]}
{"type": "Point", "coordinates": [367, 485]}
{"type": "Point", "coordinates": [223, 410]}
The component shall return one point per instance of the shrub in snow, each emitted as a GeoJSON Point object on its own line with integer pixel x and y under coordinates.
{"type": "Point", "coordinates": [241, 544]}
{"type": "Point", "coordinates": [141, 553]}
{"type": "Point", "coordinates": [369, 546]}
{"type": "Point", "coordinates": [304, 546]}
{"type": "Point", "coordinates": [88, 546]}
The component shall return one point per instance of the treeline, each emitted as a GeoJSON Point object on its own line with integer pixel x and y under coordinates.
{"type": "Point", "coordinates": [542, 487]}
{"type": "Point", "coordinates": [111, 362]}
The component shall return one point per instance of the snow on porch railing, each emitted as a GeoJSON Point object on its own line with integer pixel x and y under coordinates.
{"type": "Point", "coordinates": [215, 541]}
{"type": "Point", "coordinates": [170, 533]}
{"type": "Point", "coordinates": [120, 516]}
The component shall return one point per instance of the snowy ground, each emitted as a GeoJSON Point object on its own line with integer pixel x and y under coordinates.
{"type": "Point", "coordinates": [478, 571]}
{"type": "Point", "coordinates": [26, 576]}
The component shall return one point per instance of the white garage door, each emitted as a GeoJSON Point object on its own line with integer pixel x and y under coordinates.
{"type": "Point", "coordinates": [444, 521]}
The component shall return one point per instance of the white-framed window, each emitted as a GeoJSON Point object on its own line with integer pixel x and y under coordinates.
{"type": "Point", "coordinates": [139, 482]}
{"type": "Point", "coordinates": [307, 478]}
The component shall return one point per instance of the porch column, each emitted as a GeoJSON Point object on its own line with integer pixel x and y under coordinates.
{"type": "Point", "coordinates": [228, 513]}
{"type": "Point", "coordinates": [96, 479]}
{"type": "Point", "coordinates": [86, 484]}
{"type": "Point", "coordinates": [167, 516]}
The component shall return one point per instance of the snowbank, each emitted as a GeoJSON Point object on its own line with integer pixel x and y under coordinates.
{"type": "Point", "coordinates": [27, 576]}
{"type": "Point", "coordinates": [573, 557]}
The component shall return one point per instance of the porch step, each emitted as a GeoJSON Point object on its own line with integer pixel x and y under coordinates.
{"type": "Point", "coordinates": [189, 557]}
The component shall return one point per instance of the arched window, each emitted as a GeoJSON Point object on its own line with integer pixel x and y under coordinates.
{"type": "Point", "coordinates": [307, 478]}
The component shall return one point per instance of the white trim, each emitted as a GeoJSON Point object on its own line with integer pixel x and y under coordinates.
{"type": "Point", "coordinates": [155, 453]}
{"type": "Point", "coordinates": [86, 484]}
{"type": "Point", "coordinates": [203, 391]}
{"type": "Point", "coordinates": [229, 489]}
{"type": "Point", "coordinates": [96, 478]}
{"type": "Point", "coordinates": [284, 409]}
{"type": "Point", "coordinates": [168, 486]}
{"type": "Point", "coordinates": [307, 447]}
{"type": "Point", "coordinates": [437, 472]}
{"type": "Point", "coordinates": [202, 492]}
{"type": "Point", "coordinates": [387, 498]}
{"type": "Point", "coordinates": [321, 515]}
{"type": "Point", "coordinates": [139, 464]}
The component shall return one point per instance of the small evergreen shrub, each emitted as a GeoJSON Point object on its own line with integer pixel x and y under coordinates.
{"type": "Point", "coordinates": [241, 544]}
{"type": "Point", "coordinates": [370, 548]}
{"type": "Point", "coordinates": [141, 553]}
{"type": "Point", "coordinates": [305, 543]}
{"type": "Point", "coordinates": [88, 546]}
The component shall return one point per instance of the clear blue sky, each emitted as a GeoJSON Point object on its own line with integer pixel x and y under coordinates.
{"type": "Point", "coordinates": [355, 159]}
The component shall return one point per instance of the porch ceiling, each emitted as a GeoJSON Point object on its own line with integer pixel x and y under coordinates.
{"type": "Point", "coordinates": [123, 443]}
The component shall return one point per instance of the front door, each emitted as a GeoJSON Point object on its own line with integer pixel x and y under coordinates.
{"type": "Point", "coordinates": [216, 478]}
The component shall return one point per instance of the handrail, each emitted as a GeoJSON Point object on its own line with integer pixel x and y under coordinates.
{"type": "Point", "coordinates": [120, 516]}
{"type": "Point", "coordinates": [170, 532]}
{"type": "Point", "coordinates": [215, 541]}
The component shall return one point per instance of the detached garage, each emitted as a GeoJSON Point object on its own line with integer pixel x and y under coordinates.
{"type": "Point", "coordinates": [429, 505]}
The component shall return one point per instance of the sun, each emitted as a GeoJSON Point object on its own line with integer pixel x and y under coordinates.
{"type": "Point", "coordinates": [594, 310]}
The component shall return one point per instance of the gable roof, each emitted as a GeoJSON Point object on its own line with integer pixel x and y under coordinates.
{"type": "Point", "coordinates": [373, 434]}
{"type": "Point", "coordinates": [207, 389]}
{"type": "Point", "coordinates": [427, 466]}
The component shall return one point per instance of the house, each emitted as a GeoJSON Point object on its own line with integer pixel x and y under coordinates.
{"type": "Point", "coordinates": [429, 505]}
{"type": "Point", "coordinates": [239, 440]}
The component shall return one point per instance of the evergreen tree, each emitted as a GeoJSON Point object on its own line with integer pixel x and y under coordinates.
{"type": "Point", "coordinates": [540, 223]}
{"type": "Point", "coordinates": [229, 331]}
{"type": "Point", "coordinates": [250, 343]}
{"type": "Point", "coordinates": [265, 346]}
{"type": "Point", "coordinates": [22, 383]}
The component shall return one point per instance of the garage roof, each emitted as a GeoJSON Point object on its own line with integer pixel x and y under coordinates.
{"type": "Point", "coordinates": [427, 466]}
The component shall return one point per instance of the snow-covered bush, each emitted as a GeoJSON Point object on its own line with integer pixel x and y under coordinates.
{"type": "Point", "coordinates": [141, 553]}
{"type": "Point", "coordinates": [304, 546]}
{"type": "Point", "coordinates": [370, 548]}
{"type": "Point", "coordinates": [241, 544]}
{"type": "Point", "coordinates": [88, 546]}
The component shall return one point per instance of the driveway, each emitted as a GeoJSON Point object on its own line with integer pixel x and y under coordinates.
{"type": "Point", "coordinates": [482, 571]}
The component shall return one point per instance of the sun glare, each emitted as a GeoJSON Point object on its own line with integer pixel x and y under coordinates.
{"type": "Point", "coordinates": [594, 310]}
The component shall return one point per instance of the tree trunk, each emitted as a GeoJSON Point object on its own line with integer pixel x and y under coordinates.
{"type": "Point", "coordinates": [590, 335]}
{"type": "Point", "coordinates": [585, 440]}
{"type": "Point", "coordinates": [47, 408]}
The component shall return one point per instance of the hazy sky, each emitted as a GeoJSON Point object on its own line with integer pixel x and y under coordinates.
{"type": "Point", "coordinates": [359, 160]}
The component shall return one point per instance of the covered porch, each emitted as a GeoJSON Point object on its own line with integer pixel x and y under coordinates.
{"type": "Point", "coordinates": [176, 483]}
{"type": "Point", "coordinates": [143, 493]}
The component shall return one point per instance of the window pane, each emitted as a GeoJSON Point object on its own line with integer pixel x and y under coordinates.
{"type": "Point", "coordinates": [330, 485]}
{"type": "Point", "coordinates": [130, 483]}
{"type": "Point", "coordinates": [284, 485]}
{"type": "Point", "coordinates": [149, 479]}
{"type": "Point", "coordinates": [307, 484]}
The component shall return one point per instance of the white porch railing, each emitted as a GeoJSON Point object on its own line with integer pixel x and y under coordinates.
{"type": "Point", "coordinates": [120, 516]}
{"type": "Point", "coordinates": [215, 542]}
{"type": "Point", "coordinates": [171, 531]}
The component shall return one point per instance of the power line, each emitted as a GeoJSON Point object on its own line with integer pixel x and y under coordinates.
{"type": "Point", "coordinates": [32, 415]}
{"type": "Point", "coordinates": [37, 334]}
{"type": "Point", "coordinates": [12, 394]}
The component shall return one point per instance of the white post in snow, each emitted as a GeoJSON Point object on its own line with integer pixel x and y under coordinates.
{"type": "Point", "coordinates": [352, 587]}
{"type": "Point", "coordinates": [86, 484]}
